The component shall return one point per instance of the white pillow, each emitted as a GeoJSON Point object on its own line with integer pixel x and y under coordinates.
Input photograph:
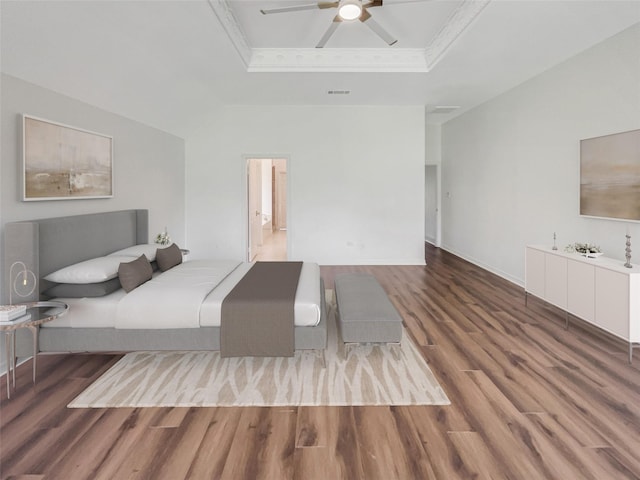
{"type": "Point", "coordinates": [146, 249]}
{"type": "Point", "coordinates": [95, 270]}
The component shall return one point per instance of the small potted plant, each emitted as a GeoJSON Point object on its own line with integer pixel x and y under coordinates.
{"type": "Point", "coordinates": [163, 238]}
{"type": "Point", "coordinates": [585, 249]}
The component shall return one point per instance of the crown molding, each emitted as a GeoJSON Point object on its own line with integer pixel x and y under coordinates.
{"type": "Point", "coordinates": [337, 60]}
{"type": "Point", "coordinates": [227, 19]}
{"type": "Point", "coordinates": [461, 18]}
{"type": "Point", "coordinates": [394, 59]}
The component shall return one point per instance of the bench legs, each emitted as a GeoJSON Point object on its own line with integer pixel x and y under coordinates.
{"type": "Point", "coordinates": [348, 345]}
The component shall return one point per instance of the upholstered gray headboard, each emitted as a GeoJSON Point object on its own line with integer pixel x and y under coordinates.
{"type": "Point", "coordinates": [52, 243]}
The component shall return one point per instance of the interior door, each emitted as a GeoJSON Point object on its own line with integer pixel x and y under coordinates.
{"type": "Point", "coordinates": [281, 193]}
{"type": "Point", "coordinates": [254, 189]}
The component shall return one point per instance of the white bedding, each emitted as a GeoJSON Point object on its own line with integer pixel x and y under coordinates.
{"type": "Point", "coordinates": [99, 312]}
{"type": "Point", "coordinates": [173, 298]}
{"type": "Point", "coordinates": [189, 295]}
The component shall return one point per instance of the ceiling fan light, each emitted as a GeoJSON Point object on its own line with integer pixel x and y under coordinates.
{"type": "Point", "coordinates": [350, 10]}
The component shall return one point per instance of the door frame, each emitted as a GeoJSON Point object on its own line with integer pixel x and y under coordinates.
{"type": "Point", "coordinates": [437, 241]}
{"type": "Point", "coordinates": [254, 206]}
{"type": "Point", "coordinates": [245, 199]}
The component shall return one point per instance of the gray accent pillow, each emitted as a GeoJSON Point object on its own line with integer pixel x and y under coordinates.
{"type": "Point", "coordinates": [168, 257]}
{"type": "Point", "coordinates": [82, 290]}
{"type": "Point", "coordinates": [133, 274]}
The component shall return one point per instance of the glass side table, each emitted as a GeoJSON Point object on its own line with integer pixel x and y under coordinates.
{"type": "Point", "coordinates": [40, 312]}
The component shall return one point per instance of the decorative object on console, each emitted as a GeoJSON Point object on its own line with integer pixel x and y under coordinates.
{"type": "Point", "coordinates": [627, 252]}
{"type": "Point", "coordinates": [555, 247]}
{"type": "Point", "coordinates": [24, 283]}
{"type": "Point", "coordinates": [163, 238]}
{"type": "Point", "coordinates": [585, 249]}
{"type": "Point", "coordinates": [64, 163]}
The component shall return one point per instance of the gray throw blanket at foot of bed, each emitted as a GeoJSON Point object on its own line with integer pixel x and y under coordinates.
{"type": "Point", "coordinates": [257, 315]}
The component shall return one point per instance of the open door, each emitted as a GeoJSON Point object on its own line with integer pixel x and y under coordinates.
{"type": "Point", "coordinates": [254, 189]}
{"type": "Point", "coordinates": [267, 209]}
{"type": "Point", "coordinates": [280, 194]}
{"type": "Point", "coordinates": [431, 207]}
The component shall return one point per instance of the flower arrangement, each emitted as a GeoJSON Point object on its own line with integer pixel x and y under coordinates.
{"type": "Point", "coordinates": [163, 238]}
{"type": "Point", "coordinates": [583, 248]}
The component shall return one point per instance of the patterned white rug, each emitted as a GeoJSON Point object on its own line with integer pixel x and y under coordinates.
{"type": "Point", "coordinates": [363, 375]}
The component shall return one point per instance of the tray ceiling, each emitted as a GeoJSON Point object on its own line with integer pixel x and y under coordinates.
{"type": "Point", "coordinates": [284, 42]}
{"type": "Point", "coordinates": [171, 64]}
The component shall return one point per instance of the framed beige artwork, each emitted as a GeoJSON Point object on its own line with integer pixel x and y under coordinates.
{"type": "Point", "coordinates": [610, 176]}
{"type": "Point", "coordinates": [61, 162]}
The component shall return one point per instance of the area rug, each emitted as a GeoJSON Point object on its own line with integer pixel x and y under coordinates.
{"type": "Point", "coordinates": [359, 375]}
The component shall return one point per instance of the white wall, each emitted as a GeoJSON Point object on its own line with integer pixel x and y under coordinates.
{"type": "Point", "coordinates": [511, 166]}
{"type": "Point", "coordinates": [148, 163]}
{"type": "Point", "coordinates": [355, 180]}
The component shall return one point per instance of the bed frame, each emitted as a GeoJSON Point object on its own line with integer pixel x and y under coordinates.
{"type": "Point", "coordinates": [50, 244]}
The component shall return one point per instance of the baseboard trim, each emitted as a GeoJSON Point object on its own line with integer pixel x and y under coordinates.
{"type": "Point", "coordinates": [489, 268]}
{"type": "Point", "coordinates": [380, 262]}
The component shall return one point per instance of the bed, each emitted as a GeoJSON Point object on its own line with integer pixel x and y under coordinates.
{"type": "Point", "coordinates": [105, 323]}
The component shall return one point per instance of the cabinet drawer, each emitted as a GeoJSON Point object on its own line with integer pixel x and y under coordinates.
{"type": "Point", "coordinates": [581, 290]}
{"type": "Point", "coordinates": [612, 302]}
{"type": "Point", "coordinates": [534, 272]}
{"type": "Point", "coordinates": [555, 275]}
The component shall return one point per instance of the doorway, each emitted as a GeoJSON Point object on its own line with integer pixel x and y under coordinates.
{"type": "Point", "coordinates": [267, 209]}
{"type": "Point", "coordinates": [431, 206]}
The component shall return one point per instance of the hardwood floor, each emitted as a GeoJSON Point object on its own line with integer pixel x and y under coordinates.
{"type": "Point", "coordinates": [530, 400]}
{"type": "Point", "coordinates": [274, 246]}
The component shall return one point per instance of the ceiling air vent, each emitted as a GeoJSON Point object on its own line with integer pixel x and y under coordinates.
{"type": "Point", "coordinates": [444, 109]}
{"type": "Point", "coordinates": [338, 92]}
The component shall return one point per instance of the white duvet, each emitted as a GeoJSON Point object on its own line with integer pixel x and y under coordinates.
{"type": "Point", "coordinates": [189, 295]}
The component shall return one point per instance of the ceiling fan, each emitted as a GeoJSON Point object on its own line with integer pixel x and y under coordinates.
{"type": "Point", "coordinates": [348, 11]}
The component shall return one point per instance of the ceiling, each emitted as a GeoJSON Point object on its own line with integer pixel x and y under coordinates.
{"type": "Point", "coordinates": [170, 64]}
{"type": "Point", "coordinates": [412, 22]}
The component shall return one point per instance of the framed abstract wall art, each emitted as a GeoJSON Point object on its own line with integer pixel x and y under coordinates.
{"type": "Point", "coordinates": [61, 162]}
{"type": "Point", "coordinates": [610, 176]}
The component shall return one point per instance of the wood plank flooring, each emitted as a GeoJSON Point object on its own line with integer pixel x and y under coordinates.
{"type": "Point", "coordinates": [530, 400]}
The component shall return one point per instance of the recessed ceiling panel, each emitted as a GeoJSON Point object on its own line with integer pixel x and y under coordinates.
{"type": "Point", "coordinates": [414, 24]}
{"type": "Point", "coordinates": [424, 31]}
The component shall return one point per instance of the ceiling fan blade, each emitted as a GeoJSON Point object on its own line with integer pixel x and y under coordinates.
{"type": "Point", "coordinates": [378, 3]}
{"type": "Point", "coordinates": [376, 28]}
{"type": "Point", "coordinates": [297, 8]}
{"type": "Point", "coordinates": [322, 5]}
{"type": "Point", "coordinates": [330, 31]}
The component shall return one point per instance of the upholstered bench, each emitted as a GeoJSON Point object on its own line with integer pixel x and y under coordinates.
{"type": "Point", "coordinates": [365, 313]}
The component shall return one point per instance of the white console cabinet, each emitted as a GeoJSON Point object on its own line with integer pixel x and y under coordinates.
{"type": "Point", "coordinates": [600, 290]}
